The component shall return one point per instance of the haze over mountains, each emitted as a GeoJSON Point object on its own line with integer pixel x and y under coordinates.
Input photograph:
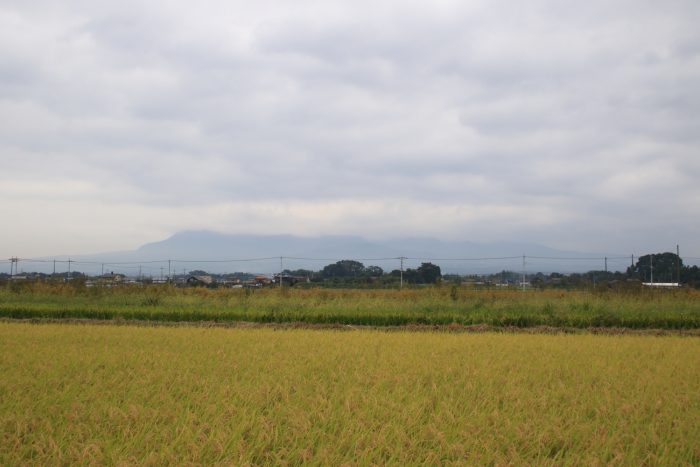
{"type": "Point", "coordinates": [217, 252]}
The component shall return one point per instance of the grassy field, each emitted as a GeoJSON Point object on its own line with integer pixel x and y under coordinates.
{"type": "Point", "coordinates": [637, 309]}
{"type": "Point", "coordinates": [76, 394]}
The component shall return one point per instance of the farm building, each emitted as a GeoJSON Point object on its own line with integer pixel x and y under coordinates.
{"type": "Point", "coordinates": [200, 281]}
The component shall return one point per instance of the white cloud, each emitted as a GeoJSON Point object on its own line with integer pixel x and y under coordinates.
{"type": "Point", "coordinates": [564, 124]}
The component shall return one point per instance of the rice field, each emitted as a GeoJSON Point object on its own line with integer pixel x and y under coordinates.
{"type": "Point", "coordinates": [635, 309]}
{"type": "Point", "coordinates": [86, 394]}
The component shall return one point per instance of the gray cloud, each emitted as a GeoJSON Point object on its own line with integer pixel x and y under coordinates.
{"type": "Point", "coordinates": [573, 125]}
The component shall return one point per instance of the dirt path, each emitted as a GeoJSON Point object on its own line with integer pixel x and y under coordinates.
{"type": "Point", "coordinates": [449, 328]}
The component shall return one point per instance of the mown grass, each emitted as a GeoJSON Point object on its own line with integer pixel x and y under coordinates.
{"type": "Point", "coordinates": [72, 394]}
{"type": "Point", "coordinates": [637, 309]}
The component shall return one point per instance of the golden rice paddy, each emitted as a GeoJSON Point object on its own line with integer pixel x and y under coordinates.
{"type": "Point", "coordinates": [82, 394]}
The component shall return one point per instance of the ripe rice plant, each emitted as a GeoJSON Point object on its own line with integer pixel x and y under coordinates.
{"type": "Point", "coordinates": [85, 394]}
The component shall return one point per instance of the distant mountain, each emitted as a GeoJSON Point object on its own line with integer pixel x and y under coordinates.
{"type": "Point", "coordinates": [217, 252]}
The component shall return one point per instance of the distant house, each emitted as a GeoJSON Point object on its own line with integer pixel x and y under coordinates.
{"type": "Point", "coordinates": [262, 280]}
{"type": "Point", "coordinates": [225, 282]}
{"type": "Point", "coordinates": [289, 279]}
{"type": "Point", "coordinates": [111, 279]}
{"type": "Point", "coordinates": [201, 281]}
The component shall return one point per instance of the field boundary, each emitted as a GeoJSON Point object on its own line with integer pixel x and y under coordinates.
{"type": "Point", "coordinates": [453, 328]}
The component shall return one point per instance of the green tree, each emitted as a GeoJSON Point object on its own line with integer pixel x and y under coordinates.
{"type": "Point", "coordinates": [374, 271]}
{"type": "Point", "coordinates": [663, 265]}
{"type": "Point", "coordinates": [690, 275]}
{"type": "Point", "coordinates": [429, 273]}
{"type": "Point", "coordinates": [343, 269]}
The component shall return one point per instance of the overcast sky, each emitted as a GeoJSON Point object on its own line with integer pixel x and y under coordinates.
{"type": "Point", "coordinates": [571, 124]}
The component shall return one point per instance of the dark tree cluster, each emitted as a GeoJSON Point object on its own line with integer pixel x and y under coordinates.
{"type": "Point", "coordinates": [662, 267]}
{"type": "Point", "coordinates": [349, 269]}
{"type": "Point", "coordinates": [426, 273]}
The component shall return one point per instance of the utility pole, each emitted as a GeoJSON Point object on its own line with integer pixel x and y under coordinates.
{"type": "Point", "coordinates": [651, 267]}
{"type": "Point", "coordinates": [606, 265]}
{"type": "Point", "coordinates": [54, 267]}
{"type": "Point", "coordinates": [522, 284]}
{"type": "Point", "coordinates": [401, 280]}
{"type": "Point", "coordinates": [678, 265]}
{"type": "Point", "coordinates": [140, 278]}
{"type": "Point", "coordinates": [168, 270]}
{"type": "Point", "coordinates": [281, 269]}
{"type": "Point", "coordinates": [69, 261]}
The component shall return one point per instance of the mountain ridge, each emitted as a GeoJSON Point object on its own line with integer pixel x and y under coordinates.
{"type": "Point", "coordinates": [221, 252]}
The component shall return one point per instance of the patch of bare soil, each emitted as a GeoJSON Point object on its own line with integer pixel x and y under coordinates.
{"type": "Point", "coordinates": [447, 328]}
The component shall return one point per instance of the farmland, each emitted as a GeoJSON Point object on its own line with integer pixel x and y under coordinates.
{"type": "Point", "coordinates": [169, 395]}
{"type": "Point", "coordinates": [431, 305]}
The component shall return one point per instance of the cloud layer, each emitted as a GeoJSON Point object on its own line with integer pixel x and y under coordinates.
{"type": "Point", "coordinates": [571, 125]}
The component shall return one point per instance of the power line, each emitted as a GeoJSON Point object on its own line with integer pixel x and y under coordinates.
{"type": "Point", "coordinates": [395, 258]}
{"type": "Point", "coordinates": [306, 258]}
{"type": "Point", "coordinates": [466, 259]}
{"type": "Point", "coordinates": [567, 258]}
{"type": "Point", "coordinates": [506, 261]}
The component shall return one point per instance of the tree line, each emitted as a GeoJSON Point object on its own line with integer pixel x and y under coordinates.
{"type": "Point", "coordinates": [663, 267]}
{"type": "Point", "coordinates": [354, 272]}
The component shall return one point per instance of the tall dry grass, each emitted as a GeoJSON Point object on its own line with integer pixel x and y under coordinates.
{"type": "Point", "coordinates": [641, 308]}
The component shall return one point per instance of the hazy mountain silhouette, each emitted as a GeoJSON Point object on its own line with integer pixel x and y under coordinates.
{"type": "Point", "coordinates": [218, 252]}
